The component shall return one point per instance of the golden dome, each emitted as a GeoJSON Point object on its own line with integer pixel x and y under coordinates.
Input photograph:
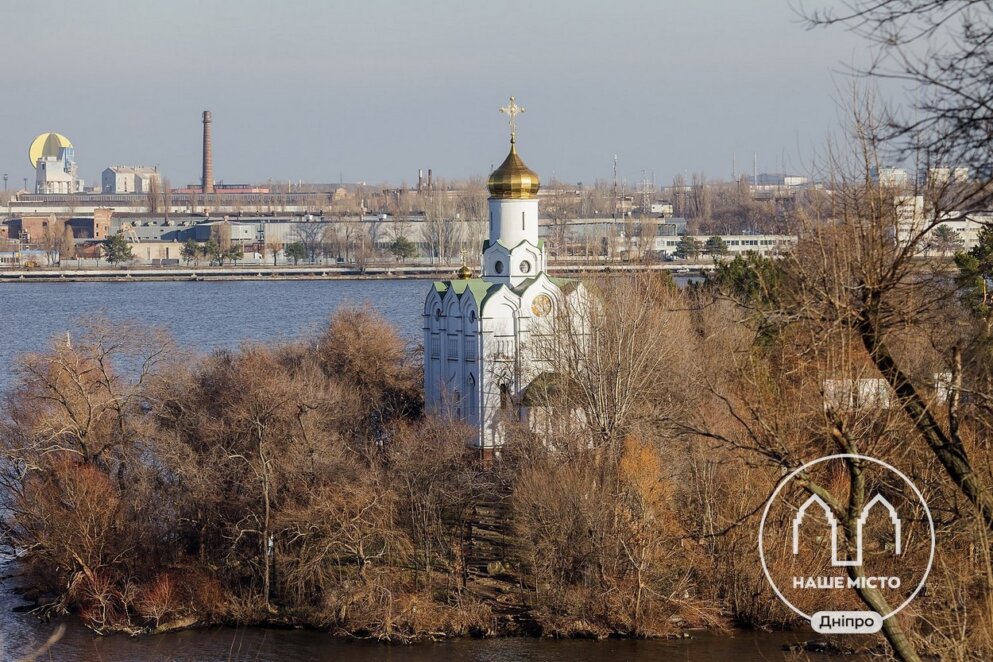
{"type": "Point", "coordinates": [464, 272]}
{"type": "Point", "coordinates": [513, 179]}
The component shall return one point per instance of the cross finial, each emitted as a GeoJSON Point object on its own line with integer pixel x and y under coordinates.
{"type": "Point", "coordinates": [513, 110]}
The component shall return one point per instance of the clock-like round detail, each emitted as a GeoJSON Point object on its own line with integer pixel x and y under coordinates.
{"type": "Point", "coordinates": [525, 267]}
{"type": "Point", "coordinates": [542, 305]}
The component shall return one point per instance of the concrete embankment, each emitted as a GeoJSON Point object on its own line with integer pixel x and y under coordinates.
{"type": "Point", "coordinates": [312, 272]}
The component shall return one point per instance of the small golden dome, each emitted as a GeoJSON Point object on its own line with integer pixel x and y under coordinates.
{"type": "Point", "coordinates": [513, 179]}
{"type": "Point", "coordinates": [464, 272]}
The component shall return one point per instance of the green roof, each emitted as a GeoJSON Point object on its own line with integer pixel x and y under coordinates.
{"type": "Point", "coordinates": [482, 290]}
{"type": "Point", "coordinates": [477, 287]}
{"type": "Point", "coordinates": [487, 243]}
{"type": "Point", "coordinates": [565, 284]}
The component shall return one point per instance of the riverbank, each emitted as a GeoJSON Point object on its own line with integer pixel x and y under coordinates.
{"type": "Point", "coordinates": [65, 637]}
{"type": "Point", "coordinates": [23, 634]}
{"type": "Point", "coordinates": [308, 272]}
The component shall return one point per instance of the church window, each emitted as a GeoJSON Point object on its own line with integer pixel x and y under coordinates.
{"type": "Point", "coordinates": [525, 267]}
{"type": "Point", "coordinates": [498, 267]}
{"type": "Point", "coordinates": [471, 396]}
{"type": "Point", "coordinates": [435, 347]}
{"type": "Point", "coordinates": [470, 348]}
{"type": "Point", "coordinates": [458, 405]}
{"type": "Point", "coordinates": [437, 314]}
{"type": "Point", "coordinates": [453, 348]}
{"type": "Point", "coordinates": [472, 316]}
{"type": "Point", "coordinates": [491, 223]}
{"type": "Point", "coordinates": [504, 396]}
{"type": "Point", "coordinates": [522, 220]}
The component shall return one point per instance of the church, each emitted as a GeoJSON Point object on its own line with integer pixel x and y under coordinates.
{"type": "Point", "coordinates": [480, 333]}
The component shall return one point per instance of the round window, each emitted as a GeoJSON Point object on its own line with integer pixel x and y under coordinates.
{"type": "Point", "coordinates": [525, 267]}
{"type": "Point", "coordinates": [542, 305]}
{"type": "Point", "coordinates": [498, 267]}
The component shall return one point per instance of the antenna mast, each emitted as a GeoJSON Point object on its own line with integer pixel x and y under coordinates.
{"type": "Point", "coordinates": [615, 187]}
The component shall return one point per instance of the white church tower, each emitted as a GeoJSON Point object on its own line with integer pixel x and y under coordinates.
{"type": "Point", "coordinates": [478, 358]}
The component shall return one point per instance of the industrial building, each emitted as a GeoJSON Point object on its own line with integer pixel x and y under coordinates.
{"type": "Point", "coordinates": [128, 179]}
{"type": "Point", "coordinates": [53, 158]}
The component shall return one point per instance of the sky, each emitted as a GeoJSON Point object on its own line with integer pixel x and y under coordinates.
{"type": "Point", "coordinates": [327, 91]}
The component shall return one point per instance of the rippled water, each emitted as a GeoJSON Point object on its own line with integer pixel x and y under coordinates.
{"type": "Point", "coordinates": [205, 315]}
{"type": "Point", "coordinates": [208, 645]}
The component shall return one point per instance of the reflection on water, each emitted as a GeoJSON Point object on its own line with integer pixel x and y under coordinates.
{"type": "Point", "coordinates": [22, 632]}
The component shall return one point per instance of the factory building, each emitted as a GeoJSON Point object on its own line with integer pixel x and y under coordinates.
{"type": "Point", "coordinates": [53, 158]}
{"type": "Point", "coordinates": [128, 179]}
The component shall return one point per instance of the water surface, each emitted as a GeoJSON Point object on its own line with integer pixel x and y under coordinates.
{"type": "Point", "coordinates": [204, 315]}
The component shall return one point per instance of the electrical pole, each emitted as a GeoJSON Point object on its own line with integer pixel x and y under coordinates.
{"type": "Point", "coordinates": [615, 187]}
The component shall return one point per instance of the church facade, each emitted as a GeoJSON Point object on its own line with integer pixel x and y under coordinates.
{"type": "Point", "coordinates": [481, 334]}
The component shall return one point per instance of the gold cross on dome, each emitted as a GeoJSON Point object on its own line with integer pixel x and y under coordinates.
{"type": "Point", "coordinates": [513, 110]}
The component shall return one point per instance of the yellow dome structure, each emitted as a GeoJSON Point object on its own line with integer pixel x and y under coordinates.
{"type": "Point", "coordinates": [47, 144]}
{"type": "Point", "coordinates": [513, 180]}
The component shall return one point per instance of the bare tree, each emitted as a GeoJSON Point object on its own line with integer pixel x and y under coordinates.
{"type": "Point", "coordinates": [944, 51]}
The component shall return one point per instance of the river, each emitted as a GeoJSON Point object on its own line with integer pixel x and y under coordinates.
{"type": "Point", "coordinates": [205, 315]}
{"type": "Point", "coordinates": [256, 644]}
{"type": "Point", "coordinates": [213, 314]}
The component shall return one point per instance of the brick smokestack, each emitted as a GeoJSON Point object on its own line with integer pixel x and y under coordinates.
{"type": "Point", "coordinates": [207, 182]}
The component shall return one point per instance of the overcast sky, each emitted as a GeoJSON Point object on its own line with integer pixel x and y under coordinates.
{"type": "Point", "coordinates": [373, 90]}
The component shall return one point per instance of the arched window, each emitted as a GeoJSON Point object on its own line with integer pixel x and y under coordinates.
{"type": "Point", "coordinates": [472, 397]}
{"type": "Point", "coordinates": [458, 405]}
{"type": "Point", "coordinates": [504, 396]}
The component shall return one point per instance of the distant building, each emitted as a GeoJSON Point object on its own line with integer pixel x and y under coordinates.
{"type": "Point", "coordinates": [780, 179]}
{"type": "Point", "coordinates": [916, 222]}
{"type": "Point", "coordinates": [57, 174]}
{"type": "Point", "coordinates": [53, 158]}
{"type": "Point", "coordinates": [890, 177]}
{"type": "Point", "coordinates": [225, 188]}
{"type": "Point", "coordinates": [26, 257]}
{"type": "Point", "coordinates": [965, 229]}
{"type": "Point", "coordinates": [33, 229]}
{"type": "Point", "coordinates": [941, 176]}
{"type": "Point", "coordinates": [855, 394]}
{"type": "Point", "coordinates": [128, 179]}
{"type": "Point", "coordinates": [663, 208]}
{"type": "Point", "coordinates": [736, 244]}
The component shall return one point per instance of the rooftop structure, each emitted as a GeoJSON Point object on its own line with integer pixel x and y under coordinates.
{"type": "Point", "coordinates": [128, 179]}
{"type": "Point", "coordinates": [53, 158]}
